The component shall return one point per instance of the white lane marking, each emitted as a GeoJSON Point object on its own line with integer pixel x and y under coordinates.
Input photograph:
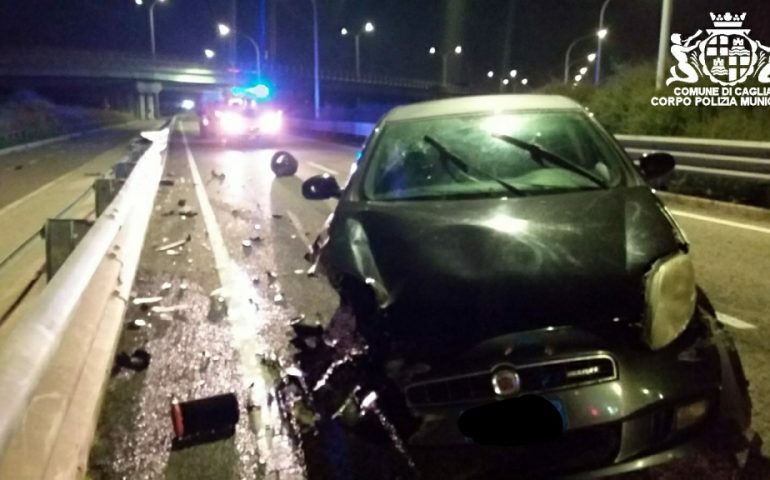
{"type": "Point", "coordinates": [238, 290]}
{"type": "Point", "coordinates": [719, 221]}
{"type": "Point", "coordinates": [323, 169]}
{"type": "Point", "coordinates": [731, 321]}
{"type": "Point", "coordinates": [298, 227]}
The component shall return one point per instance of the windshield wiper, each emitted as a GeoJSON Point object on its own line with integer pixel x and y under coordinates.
{"type": "Point", "coordinates": [465, 167]}
{"type": "Point", "coordinates": [537, 152]}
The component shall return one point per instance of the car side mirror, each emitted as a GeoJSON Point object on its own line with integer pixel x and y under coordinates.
{"type": "Point", "coordinates": [321, 187]}
{"type": "Point", "coordinates": [656, 167]}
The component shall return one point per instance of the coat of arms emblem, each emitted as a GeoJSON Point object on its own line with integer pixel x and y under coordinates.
{"type": "Point", "coordinates": [726, 55]}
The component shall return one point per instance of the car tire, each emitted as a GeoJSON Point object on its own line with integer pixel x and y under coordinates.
{"type": "Point", "coordinates": [283, 164]}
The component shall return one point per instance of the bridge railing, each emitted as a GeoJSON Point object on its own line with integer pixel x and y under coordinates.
{"type": "Point", "coordinates": [102, 60]}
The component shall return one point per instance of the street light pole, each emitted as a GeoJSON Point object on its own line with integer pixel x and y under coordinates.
{"type": "Point", "coordinates": [665, 30]}
{"type": "Point", "coordinates": [598, 65]}
{"type": "Point", "coordinates": [256, 52]}
{"type": "Point", "coordinates": [152, 28]}
{"type": "Point", "coordinates": [358, 54]}
{"type": "Point", "coordinates": [599, 34]}
{"type": "Point", "coordinates": [316, 67]}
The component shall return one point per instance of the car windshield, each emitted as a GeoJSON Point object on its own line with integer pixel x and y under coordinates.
{"type": "Point", "coordinates": [488, 155]}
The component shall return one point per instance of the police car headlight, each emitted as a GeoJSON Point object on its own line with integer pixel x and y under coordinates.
{"type": "Point", "coordinates": [670, 300]}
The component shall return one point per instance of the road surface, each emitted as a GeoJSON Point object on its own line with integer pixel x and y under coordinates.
{"type": "Point", "coordinates": [200, 349]}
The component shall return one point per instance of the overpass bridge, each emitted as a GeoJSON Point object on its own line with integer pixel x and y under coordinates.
{"type": "Point", "coordinates": [134, 82]}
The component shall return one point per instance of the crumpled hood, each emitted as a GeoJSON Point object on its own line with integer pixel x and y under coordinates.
{"type": "Point", "coordinates": [468, 270]}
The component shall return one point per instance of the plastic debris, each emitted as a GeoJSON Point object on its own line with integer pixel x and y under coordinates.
{"type": "Point", "coordinates": [137, 324]}
{"type": "Point", "coordinates": [137, 361]}
{"type": "Point", "coordinates": [146, 300]}
{"type": "Point", "coordinates": [199, 419]}
{"type": "Point", "coordinates": [299, 271]}
{"type": "Point", "coordinates": [170, 309]}
{"type": "Point", "coordinates": [173, 245]}
{"type": "Point", "coordinates": [173, 252]}
{"type": "Point", "coordinates": [246, 243]}
{"type": "Point", "coordinates": [165, 286]}
{"type": "Point", "coordinates": [278, 298]}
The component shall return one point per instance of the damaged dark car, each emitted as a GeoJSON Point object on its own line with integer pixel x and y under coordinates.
{"type": "Point", "coordinates": [492, 250]}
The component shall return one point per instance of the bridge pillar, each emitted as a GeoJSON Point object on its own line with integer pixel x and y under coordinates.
{"type": "Point", "coordinates": [149, 99]}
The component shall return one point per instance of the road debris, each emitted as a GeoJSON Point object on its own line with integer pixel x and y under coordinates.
{"type": "Point", "coordinates": [173, 245]}
{"type": "Point", "coordinates": [146, 300]}
{"type": "Point", "coordinates": [166, 286]}
{"type": "Point", "coordinates": [170, 309]}
{"type": "Point", "coordinates": [137, 324]}
{"type": "Point", "coordinates": [206, 419]}
{"type": "Point", "coordinates": [137, 361]}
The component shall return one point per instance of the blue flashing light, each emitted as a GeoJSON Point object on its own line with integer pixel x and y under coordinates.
{"type": "Point", "coordinates": [260, 91]}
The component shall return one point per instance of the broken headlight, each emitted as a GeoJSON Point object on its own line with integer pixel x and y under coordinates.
{"type": "Point", "coordinates": [670, 299]}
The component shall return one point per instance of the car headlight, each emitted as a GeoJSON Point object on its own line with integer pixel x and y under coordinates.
{"type": "Point", "coordinates": [670, 299]}
{"type": "Point", "coordinates": [232, 123]}
{"type": "Point", "coordinates": [271, 122]}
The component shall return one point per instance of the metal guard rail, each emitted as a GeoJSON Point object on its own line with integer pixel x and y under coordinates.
{"type": "Point", "coordinates": [27, 350]}
{"type": "Point", "coordinates": [746, 160]}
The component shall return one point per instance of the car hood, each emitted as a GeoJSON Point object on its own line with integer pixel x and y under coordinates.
{"type": "Point", "coordinates": [456, 272]}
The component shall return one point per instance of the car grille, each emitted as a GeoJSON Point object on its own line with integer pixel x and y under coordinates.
{"type": "Point", "coordinates": [535, 378]}
{"type": "Point", "coordinates": [574, 451]}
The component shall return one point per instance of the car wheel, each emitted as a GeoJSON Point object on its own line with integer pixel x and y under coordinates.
{"type": "Point", "coordinates": [284, 164]}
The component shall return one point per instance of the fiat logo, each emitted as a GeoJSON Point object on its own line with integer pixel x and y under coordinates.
{"type": "Point", "coordinates": [506, 383]}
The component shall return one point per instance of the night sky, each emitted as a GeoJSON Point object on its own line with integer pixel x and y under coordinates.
{"type": "Point", "coordinates": [540, 30]}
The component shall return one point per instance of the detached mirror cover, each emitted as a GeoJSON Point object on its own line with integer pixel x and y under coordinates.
{"type": "Point", "coordinates": [320, 187]}
{"type": "Point", "coordinates": [656, 167]}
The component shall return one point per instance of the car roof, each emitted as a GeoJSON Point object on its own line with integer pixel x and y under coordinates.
{"type": "Point", "coordinates": [481, 104]}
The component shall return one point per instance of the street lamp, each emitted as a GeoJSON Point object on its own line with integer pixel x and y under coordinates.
{"type": "Point", "coordinates": [458, 50]}
{"type": "Point", "coordinates": [225, 30]}
{"type": "Point", "coordinates": [490, 74]}
{"type": "Point", "coordinates": [506, 81]}
{"type": "Point", "coordinates": [524, 81]}
{"type": "Point", "coordinates": [583, 70]}
{"type": "Point", "coordinates": [578, 77]}
{"type": "Point", "coordinates": [600, 34]}
{"type": "Point", "coordinates": [598, 64]}
{"type": "Point", "coordinates": [591, 57]}
{"type": "Point", "coordinates": [209, 53]}
{"type": "Point", "coordinates": [367, 28]}
{"type": "Point", "coordinates": [152, 22]}
{"type": "Point", "coordinates": [513, 73]}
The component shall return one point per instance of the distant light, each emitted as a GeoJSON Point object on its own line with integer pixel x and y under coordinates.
{"type": "Point", "coordinates": [369, 27]}
{"type": "Point", "coordinates": [513, 73]}
{"type": "Point", "coordinates": [578, 78]}
{"type": "Point", "coordinates": [209, 53]}
{"type": "Point", "coordinates": [583, 70]}
{"type": "Point", "coordinates": [459, 49]}
{"type": "Point", "coordinates": [602, 33]}
{"type": "Point", "coordinates": [261, 91]}
{"type": "Point", "coordinates": [139, 2]}
{"type": "Point", "coordinates": [343, 31]}
{"type": "Point", "coordinates": [490, 74]}
{"type": "Point", "coordinates": [432, 50]}
{"type": "Point", "coordinates": [524, 81]}
{"type": "Point", "coordinates": [591, 57]}
{"type": "Point", "coordinates": [224, 30]}
{"type": "Point", "coordinates": [188, 104]}
{"type": "Point", "coordinates": [506, 81]}
{"type": "Point", "coordinates": [368, 400]}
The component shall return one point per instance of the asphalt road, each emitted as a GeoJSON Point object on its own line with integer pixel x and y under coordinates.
{"type": "Point", "coordinates": [262, 287]}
